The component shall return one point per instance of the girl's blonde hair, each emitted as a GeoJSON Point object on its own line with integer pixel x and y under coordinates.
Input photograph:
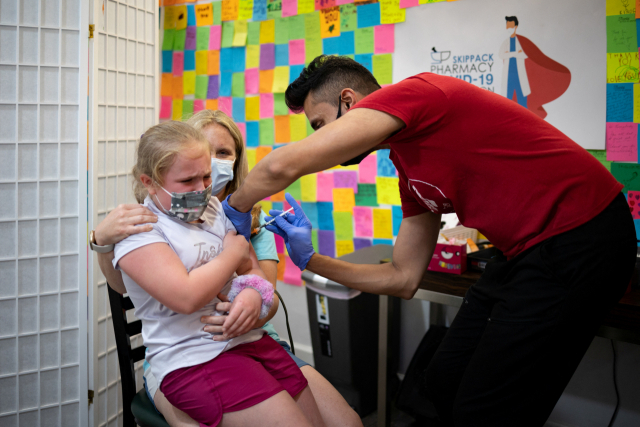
{"type": "Point", "coordinates": [204, 118]}
{"type": "Point", "coordinates": [157, 150]}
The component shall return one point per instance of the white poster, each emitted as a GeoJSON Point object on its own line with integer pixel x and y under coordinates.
{"type": "Point", "coordinates": [547, 55]}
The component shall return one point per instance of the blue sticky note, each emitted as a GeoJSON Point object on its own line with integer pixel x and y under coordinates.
{"type": "Point", "coordinates": [238, 110]}
{"type": "Point", "coordinates": [225, 84]}
{"type": "Point", "coordinates": [189, 60]}
{"type": "Point", "coordinates": [253, 134]}
{"type": "Point", "coordinates": [385, 165]}
{"type": "Point", "coordinates": [347, 43]}
{"type": "Point", "coordinates": [167, 61]}
{"type": "Point", "coordinates": [226, 59]}
{"type": "Point", "coordinates": [368, 15]}
{"type": "Point", "coordinates": [238, 56]}
{"type": "Point", "coordinates": [383, 242]}
{"type": "Point", "coordinates": [277, 206]}
{"type": "Point", "coordinates": [636, 222]}
{"type": "Point", "coordinates": [331, 46]}
{"type": "Point", "coordinates": [366, 60]}
{"type": "Point", "coordinates": [325, 216]}
{"type": "Point", "coordinates": [282, 54]}
{"type": "Point", "coordinates": [311, 211]}
{"type": "Point", "coordinates": [191, 15]}
{"type": "Point", "coordinates": [396, 214]}
{"type": "Point", "coordinates": [620, 102]}
{"type": "Point", "coordinates": [294, 72]}
{"type": "Point", "coordinates": [259, 10]}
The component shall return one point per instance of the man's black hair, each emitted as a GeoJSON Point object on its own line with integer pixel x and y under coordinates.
{"type": "Point", "coordinates": [512, 19]}
{"type": "Point", "coordinates": [325, 77]}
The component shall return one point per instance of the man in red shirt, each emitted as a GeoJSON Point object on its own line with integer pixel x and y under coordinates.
{"type": "Point", "coordinates": [554, 211]}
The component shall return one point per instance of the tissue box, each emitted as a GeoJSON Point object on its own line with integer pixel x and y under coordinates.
{"type": "Point", "coordinates": [449, 258]}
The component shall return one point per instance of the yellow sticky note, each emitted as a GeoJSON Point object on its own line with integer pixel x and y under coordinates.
{"type": "Point", "coordinates": [181, 17]}
{"type": "Point", "coordinates": [636, 103]}
{"type": "Point", "coordinates": [189, 82]}
{"type": "Point", "coordinates": [344, 247]}
{"type": "Point", "coordinates": [177, 109]}
{"type": "Point", "coordinates": [306, 6]}
{"type": "Point", "coordinates": [620, 7]}
{"type": "Point", "coordinates": [298, 127]}
{"type": "Point", "coordinates": [202, 62]}
{"type": "Point", "coordinates": [245, 10]}
{"type": "Point", "coordinates": [622, 67]}
{"type": "Point", "coordinates": [388, 190]}
{"type": "Point", "coordinates": [280, 79]}
{"type": "Point", "coordinates": [229, 10]}
{"type": "Point", "coordinates": [204, 14]}
{"type": "Point", "coordinates": [253, 56]}
{"type": "Point", "coordinates": [390, 12]}
{"type": "Point", "coordinates": [213, 62]}
{"type": "Point", "coordinates": [343, 199]}
{"type": "Point", "coordinates": [252, 108]}
{"type": "Point", "coordinates": [170, 17]}
{"type": "Point", "coordinates": [330, 22]}
{"type": "Point", "coordinates": [309, 187]}
{"type": "Point", "coordinates": [268, 31]}
{"type": "Point", "coordinates": [382, 228]}
{"type": "Point", "coordinates": [240, 31]}
{"type": "Point", "coordinates": [266, 206]}
{"type": "Point", "coordinates": [211, 104]}
{"type": "Point", "coordinates": [251, 157]}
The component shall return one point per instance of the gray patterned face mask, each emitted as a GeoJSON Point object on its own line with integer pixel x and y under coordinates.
{"type": "Point", "coordinates": [187, 206]}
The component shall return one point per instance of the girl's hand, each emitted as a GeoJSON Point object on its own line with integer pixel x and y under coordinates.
{"type": "Point", "coordinates": [243, 315]}
{"type": "Point", "coordinates": [122, 222]}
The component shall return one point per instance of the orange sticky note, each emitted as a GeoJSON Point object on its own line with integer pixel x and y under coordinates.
{"type": "Point", "coordinates": [278, 197]}
{"type": "Point", "coordinates": [204, 14]}
{"type": "Point", "coordinates": [283, 133]}
{"type": "Point", "coordinates": [268, 31]}
{"type": "Point", "coordinates": [178, 92]}
{"type": "Point", "coordinates": [281, 266]}
{"type": "Point", "coordinates": [262, 151]}
{"type": "Point", "coordinates": [202, 67]}
{"type": "Point", "coordinates": [252, 108]}
{"type": "Point", "coordinates": [213, 62]}
{"type": "Point", "coordinates": [211, 104]}
{"type": "Point", "coordinates": [330, 22]}
{"type": "Point", "coordinates": [166, 88]}
{"type": "Point", "coordinates": [229, 10]}
{"type": "Point", "coordinates": [266, 81]}
{"type": "Point", "coordinates": [343, 199]}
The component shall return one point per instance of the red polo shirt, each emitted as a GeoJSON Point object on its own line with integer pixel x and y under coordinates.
{"type": "Point", "coordinates": [501, 168]}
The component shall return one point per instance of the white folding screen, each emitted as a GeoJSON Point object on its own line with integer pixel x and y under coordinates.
{"type": "Point", "coordinates": [43, 185]}
{"type": "Point", "coordinates": [123, 64]}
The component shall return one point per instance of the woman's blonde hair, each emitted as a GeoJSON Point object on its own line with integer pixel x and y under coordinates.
{"type": "Point", "coordinates": [157, 150]}
{"type": "Point", "coordinates": [204, 118]}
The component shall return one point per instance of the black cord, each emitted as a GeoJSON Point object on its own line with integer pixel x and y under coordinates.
{"type": "Point", "coordinates": [286, 318]}
{"type": "Point", "coordinates": [615, 386]}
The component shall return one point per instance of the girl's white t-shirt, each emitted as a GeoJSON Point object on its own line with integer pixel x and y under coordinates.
{"type": "Point", "coordinates": [175, 340]}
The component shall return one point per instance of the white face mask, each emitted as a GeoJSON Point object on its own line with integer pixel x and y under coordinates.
{"type": "Point", "coordinates": [510, 31]}
{"type": "Point", "coordinates": [221, 174]}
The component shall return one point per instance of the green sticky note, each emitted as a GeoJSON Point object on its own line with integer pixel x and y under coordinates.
{"type": "Point", "coordinates": [279, 106]}
{"type": "Point", "coordinates": [621, 34]}
{"type": "Point", "coordinates": [282, 30]}
{"type": "Point", "coordinates": [628, 174]}
{"type": "Point", "coordinates": [202, 83]}
{"type": "Point", "coordinates": [237, 85]}
{"type": "Point", "coordinates": [312, 24]}
{"type": "Point", "coordinates": [383, 68]}
{"type": "Point", "coordinates": [274, 9]}
{"type": "Point", "coordinates": [364, 40]}
{"type": "Point", "coordinates": [217, 12]}
{"type": "Point", "coordinates": [266, 132]}
{"type": "Point", "coordinates": [187, 108]}
{"type": "Point", "coordinates": [202, 38]}
{"type": "Point", "coordinates": [253, 36]}
{"type": "Point", "coordinates": [313, 39]}
{"type": "Point", "coordinates": [367, 195]}
{"type": "Point", "coordinates": [601, 155]}
{"type": "Point", "coordinates": [179, 38]}
{"type": "Point", "coordinates": [314, 239]}
{"type": "Point", "coordinates": [227, 34]}
{"type": "Point", "coordinates": [168, 39]}
{"type": "Point", "coordinates": [350, 56]}
{"type": "Point", "coordinates": [309, 128]}
{"type": "Point", "coordinates": [348, 17]}
{"type": "Point", "coordinates": [295, 189]}
{"type": "Point", "coordinates": [296, 27]}
{"type": "Point", "coordinates": [343, 223]}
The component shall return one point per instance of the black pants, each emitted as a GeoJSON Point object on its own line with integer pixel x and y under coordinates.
{"type": "Point", "coordinates": [525, 325]}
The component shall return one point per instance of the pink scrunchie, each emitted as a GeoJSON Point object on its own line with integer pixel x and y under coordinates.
{"type": "Point", "coordinates": [259, 284]}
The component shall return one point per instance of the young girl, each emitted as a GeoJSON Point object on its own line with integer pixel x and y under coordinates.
{"type": "Point", "coordinates": [173, 275]}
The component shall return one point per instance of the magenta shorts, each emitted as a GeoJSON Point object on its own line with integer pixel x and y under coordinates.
{"type": "Point", "coordinates": [237, 379]}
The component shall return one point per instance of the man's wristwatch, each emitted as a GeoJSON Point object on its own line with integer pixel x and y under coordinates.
{"type": "Point", "coordinates": [95, 247]}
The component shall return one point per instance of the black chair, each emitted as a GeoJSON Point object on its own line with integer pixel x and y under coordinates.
{"type": "Point", "coordinates": [137, 408]}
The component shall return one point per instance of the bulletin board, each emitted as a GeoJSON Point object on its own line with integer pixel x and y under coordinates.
{"type": "Point", "coordinates": [239, 56]}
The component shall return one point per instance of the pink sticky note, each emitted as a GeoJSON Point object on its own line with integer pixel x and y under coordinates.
{"type": "Point", "coordinates": [339, 2]}
{"type": "Point", "coordinates": [363, 219]}
{"type": "Point", "coordinates": [285, 206]}
{"type": "Point", "coordinates": [243, 131]}
{"type": "Point", "coordinates": [214, 37]}
{"type": "Point", "coordinates": [408, 3]}
{"type": "Point", "coordinates": [346, 179]}
{"type": "Point", "coordinates": [296, 52]}
{"type": "Point", "coordinates": [292, 274]}
{"type": "Point", "coordinates": [324, 189]}
{"type": "Point", "coordinates": [178, 63]}
{"type": "Point", "coordinates": [266, 105]}
{"type": "Point", "coordinates": [622, 142]}
{"type": "Point", "coordinates": [368, 170]}
{"type": "Point", "coordinates": [198, 105]}
{"type": "Point", "coordinates": [279, 244]}
{"type": "Point", "coordinates": [225, 104]}
{"type": "Point", "coordinates": [633, 199]}
{"type": "Point", "coordinates": [165, 107]}
{"type": "Point", "coordinates": [289, 8]}
{"type": "Point", "coordinates": [384, 38]}
{"type": "Point", "coordinates": [252, 80]}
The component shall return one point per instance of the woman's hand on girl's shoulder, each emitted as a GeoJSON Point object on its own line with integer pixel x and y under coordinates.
{"type": "Point", "coordinates": [122, 222]}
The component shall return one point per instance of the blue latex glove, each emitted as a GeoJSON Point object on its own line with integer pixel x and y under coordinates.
{"type": "Point", "coordinates": [241, 220]}
{"type": "Point", "coordinates": [296, 232]}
